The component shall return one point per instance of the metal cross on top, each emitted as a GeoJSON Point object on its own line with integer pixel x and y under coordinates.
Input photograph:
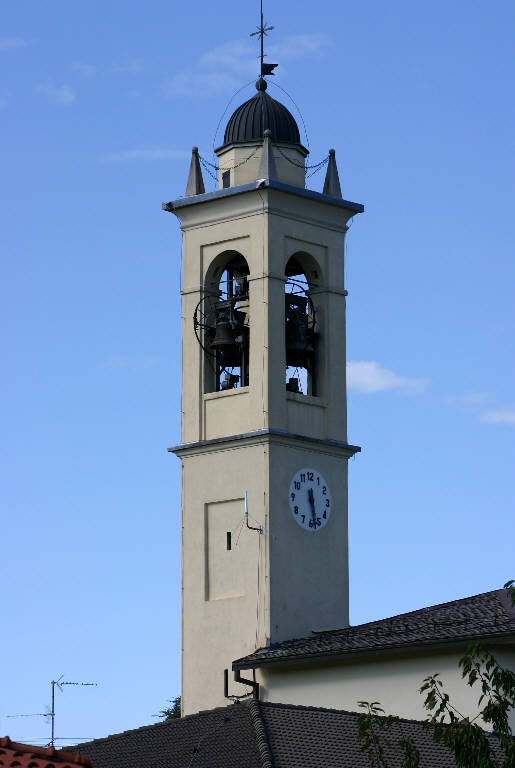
{"type": "Point", "coordinates": [262, 30]}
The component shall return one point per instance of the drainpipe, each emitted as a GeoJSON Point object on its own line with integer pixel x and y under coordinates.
{"type": "Point", "coordinates": [239, 679]}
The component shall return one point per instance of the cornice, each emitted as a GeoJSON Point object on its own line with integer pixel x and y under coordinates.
{"type": "Point", "coordinates": [260, 436]}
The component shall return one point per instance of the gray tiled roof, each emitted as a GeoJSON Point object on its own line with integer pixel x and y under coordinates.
{"type": "Point", "coordinates": [487, 616]}
{"type": "Point", "coordinates": [257, 735]}
{"type": "Point", "coordinates": [218, 738]}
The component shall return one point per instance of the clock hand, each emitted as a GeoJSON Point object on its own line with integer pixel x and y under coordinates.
{"type": "Point", "coordinates": [312, 504]}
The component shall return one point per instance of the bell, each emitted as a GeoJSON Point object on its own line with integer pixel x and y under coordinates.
{"type": "Point", "coordinates": [299, 336]}
{"type": "Point", "coordinates": [224, 335]}
{"type": "Point", "coordinates": [240, 286]}
{"type": "Point", "coordinates": [229, 381]}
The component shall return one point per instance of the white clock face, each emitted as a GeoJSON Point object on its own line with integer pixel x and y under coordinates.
{"type": "Point", "coordinates": [310, 499]}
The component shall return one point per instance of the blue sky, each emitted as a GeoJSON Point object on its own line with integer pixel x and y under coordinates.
{"type": "Point", "coordinates": [100, 104]}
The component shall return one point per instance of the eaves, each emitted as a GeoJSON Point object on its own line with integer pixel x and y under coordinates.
{"type": "Point", "coordinates": [394, 649]}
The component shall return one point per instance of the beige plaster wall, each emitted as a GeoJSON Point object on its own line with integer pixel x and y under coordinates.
{"type": "Point", "coordinates": [267, 227]}
{"type": "Point", "coordinates": [282, 583]}
{"type": "Point", "coordinates": [223, 593]}
{"type": "Point", "coordinates": [287, 581]}
{"type": "Point", "coordinates": [309, 586]}
{"type": "Point", "coordinates": [392, 681]}
{"type": "Point", "coordinates": [243, 163]}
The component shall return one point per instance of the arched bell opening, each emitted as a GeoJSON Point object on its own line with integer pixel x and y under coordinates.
{"type": "Point", "coordinates": [221, 324]}
{"type": "Point", "coordinates": [301, 332]}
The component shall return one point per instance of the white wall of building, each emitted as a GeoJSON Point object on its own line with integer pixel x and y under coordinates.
{"type": "Point", "coordinates": [393, 681]}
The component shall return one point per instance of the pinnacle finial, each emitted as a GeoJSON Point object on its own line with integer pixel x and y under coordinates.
{"type": "Point", "coordinates": [195, 185]}
{"type": "Point", "coordinates": [267, 168]}
{"type": "Point", "coordinates": [332, 180]}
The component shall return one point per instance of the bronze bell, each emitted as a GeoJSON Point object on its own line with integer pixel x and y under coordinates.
{"type": "Point", "coordinates": [229, 381]}
{"type": "Point", "coordinates": [224, 335]}
{"type": "Point", "coordinates": [296, 336]}
{"type": "Point", "coordinates": [240, 286]}
{"type": "Point", "coordinates": [299, 336]}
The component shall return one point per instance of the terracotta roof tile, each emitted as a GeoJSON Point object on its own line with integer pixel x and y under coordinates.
{"type": "Point", "coordinates": [486, 616]}
{"type": "Point", "coordinates": [13, 754]}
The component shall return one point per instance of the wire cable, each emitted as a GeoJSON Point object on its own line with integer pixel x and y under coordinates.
{"type": "Point", "coordinates": [227, 107]}
{"type": "Point", "coordinates": [296, 107]}
{"type": "Point", "coordinates": [196, 749]}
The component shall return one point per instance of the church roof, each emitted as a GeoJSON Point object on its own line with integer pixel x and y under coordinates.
{"type": "Point", "coordinates": [13, 754]}
{"type": "Point", "coordinates": [255, 116]}
{"type": "Point", "coordinates": [258, 734]}
{"type": "Point", "coordinates": [489, 615]}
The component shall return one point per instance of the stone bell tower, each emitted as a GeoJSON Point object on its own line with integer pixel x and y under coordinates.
{"type": "Point", "coordinates": [263, 401]}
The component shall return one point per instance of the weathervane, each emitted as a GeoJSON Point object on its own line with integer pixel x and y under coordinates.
{"type": "Point", "coordinates": [262, 30]}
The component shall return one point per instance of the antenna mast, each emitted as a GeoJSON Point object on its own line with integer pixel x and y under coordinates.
{"type": "Point", "coordinates": [59, 682]}
{"type": "Point", "coordinates": [52, 713]}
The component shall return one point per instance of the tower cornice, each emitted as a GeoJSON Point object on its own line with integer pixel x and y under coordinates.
{"type": "Point", "coordinates": [309, 194]}
{"type": "Point", "coordinates": [265, 196]}
{"type": "Point", "coordinates": [346, 450]}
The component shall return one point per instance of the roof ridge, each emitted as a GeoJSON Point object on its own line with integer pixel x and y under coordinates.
{"type": "Point", "coordinates": [171, 721]}
{"type": "Point", "coordinates": [424, 608]}
{"type": "Point", "coordinates": [261, 734]}
{"type": "Point", "coordinates": [331, 710]}
{"type": "Point", "coordinates": [476, 618]}
{"type": "Point", "coordinates": [365, 624]}
{"type": "Point", "coordinates": [395, 616]}
{"type": "Point", "coordinates": [506, 602]}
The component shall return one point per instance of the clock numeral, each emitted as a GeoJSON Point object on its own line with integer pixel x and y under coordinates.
{"type": "Point", "coordinates": [303, 518]}
{"type": "Point", "coordinates": [324, 490]}
{"type": "Point", "coordinates": [293, 497]}
{"type": "Point", "coordinates": [319, 522]}
{"type": "Point", "coordinates": [327, 503]}
{"type": "Point", "coordinates": [296, 510]}
{"type": "Point", "coordinates": [324, 515]}
{"type": "Point", "coordinates": [318, 481]}
{"type": "Point", "coordinates": [310, 477]}
{"type": "Point", "coordinates": [302, 477]}
{"type": "Point", "coordinates": [297, 485]}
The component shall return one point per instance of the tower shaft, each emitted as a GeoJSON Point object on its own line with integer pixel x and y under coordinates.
{"type": "Point", "coordinates": [243, 589]}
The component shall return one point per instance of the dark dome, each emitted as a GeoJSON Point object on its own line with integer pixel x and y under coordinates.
{"type": "Point", "coordinates": [252, 118]}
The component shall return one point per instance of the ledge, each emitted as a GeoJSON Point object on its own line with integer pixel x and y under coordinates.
{"type": "Point", "coordinates": [300, 397]}
{"type": "Point", "coordinates": [310, 194]}
{"type": "Point", "coordinates": [226, 393]}
{"type": "Point", "coordinates": [259, 434]}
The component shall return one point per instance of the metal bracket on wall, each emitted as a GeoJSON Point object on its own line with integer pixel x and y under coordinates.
{"type": "Point", "coordinates": [259, 529]}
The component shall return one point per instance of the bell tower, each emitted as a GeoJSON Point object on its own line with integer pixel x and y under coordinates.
{"type": "Point", "coordinates": [264, 447]}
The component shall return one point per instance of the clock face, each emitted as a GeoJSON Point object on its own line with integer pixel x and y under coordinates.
{"type": "Point", "coordinates": [310, 499]}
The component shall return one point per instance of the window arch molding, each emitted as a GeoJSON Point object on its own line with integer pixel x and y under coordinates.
{"type": "Point", "coordinates": [305, 262]}
{"type": "Point", "coordinates": [219, 264]}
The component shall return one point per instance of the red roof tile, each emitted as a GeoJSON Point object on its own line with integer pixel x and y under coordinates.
{"type": "Point", "coordinates": [16, 755]}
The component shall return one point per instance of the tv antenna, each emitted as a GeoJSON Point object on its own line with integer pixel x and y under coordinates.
{"type": "Point", "coordinates": [262, 31]}
{"type": "Point", "coordinates": [51, 714]}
